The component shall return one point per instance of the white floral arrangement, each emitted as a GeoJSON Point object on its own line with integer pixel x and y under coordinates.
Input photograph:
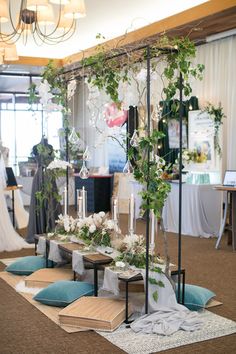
{"type": "Point", "coordinates": [95, 229]}
{"type": "Point", "coordinates": [59, 164]}
{"type": "Point", "coordinates": [133, 250]}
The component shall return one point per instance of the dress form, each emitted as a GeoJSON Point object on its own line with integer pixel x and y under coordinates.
{"type": "Point", "coordinates": [38, 223]}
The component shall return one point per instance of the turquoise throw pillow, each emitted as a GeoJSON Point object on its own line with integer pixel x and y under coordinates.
{"type": "Point", "coordinates": [195, 297]}
{"type": "Point", "coordinates": [28, 265]}
{"type": "Point", "coordinates": [64, 292]}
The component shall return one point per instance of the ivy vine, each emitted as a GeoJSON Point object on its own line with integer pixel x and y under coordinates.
{"type": "Point", "coordinates": [217, 115]}
{"type": "Point", "coordinates": [149, 174]}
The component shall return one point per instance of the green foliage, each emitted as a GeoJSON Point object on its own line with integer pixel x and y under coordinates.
{"type": "Point", "coordinates": [178, 54]}
{"type": "Point", "coordinates": [148, 174]}
{"type": "Point", "coordinates": [217, 115]}
{"type": "Point", "coordinates": [155, 296]}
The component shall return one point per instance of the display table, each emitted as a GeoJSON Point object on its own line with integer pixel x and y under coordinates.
{"type": "Point", "coordinates": [201, 210]}
{"type": "Point", "coordinates": [99, 189]}
{"type": "Point", "coordinates": [232, 191]}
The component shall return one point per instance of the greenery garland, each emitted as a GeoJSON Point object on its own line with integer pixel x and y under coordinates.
{"type": "Point", "coordinates": [217, 115]}
{"type": "Point", "coordinates": [149, 173]}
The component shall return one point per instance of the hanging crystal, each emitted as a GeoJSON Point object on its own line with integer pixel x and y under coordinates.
{"type": "Point", "coordinates": [134, 141]}
{"type": "Point", "coordinates": [84, 172]}
{"type": "Point", "coordinates": [86, 154]}
{"type": "Point", "coordinates": [73, 137]}
{"type": "Point", "coordinates": [128, 167]}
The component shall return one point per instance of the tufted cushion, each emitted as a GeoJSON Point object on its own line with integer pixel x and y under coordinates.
{"type": "Point", "coordinates": [27, 265]}
{"type": "Point", "coordinates": [64, 292]}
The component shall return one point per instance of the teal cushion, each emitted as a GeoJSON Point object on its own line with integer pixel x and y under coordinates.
{"type": "Point", "coordinates": [27, 265]}
{"type": "Point", "coordinates": [195, 297]}
{"type": "Point", "coordinates": [64, 292]}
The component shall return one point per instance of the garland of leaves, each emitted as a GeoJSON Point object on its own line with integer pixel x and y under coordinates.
{"type": "Point", "coordinates": [149, 173]}
{"type": "Point", "coordinates": [217, 115]}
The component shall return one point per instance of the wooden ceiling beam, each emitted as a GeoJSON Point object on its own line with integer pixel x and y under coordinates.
{"type": "Point", "coordinates": [32, 61]}
{"type": "Point", "coordinates": [194, 14]}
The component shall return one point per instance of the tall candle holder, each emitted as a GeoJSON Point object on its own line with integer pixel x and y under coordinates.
{"type": "Point", "coordinates": [65, 201]}
{"type": "Point", "coordinates": [115, 214]}
{"type": "Point", "coordinates": [81, 203]}
{"type": "Point", "coordinates": [132, 219]}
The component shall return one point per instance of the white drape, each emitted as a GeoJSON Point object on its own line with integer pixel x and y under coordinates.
{"type": "Point", "coordinates": [219, 85]}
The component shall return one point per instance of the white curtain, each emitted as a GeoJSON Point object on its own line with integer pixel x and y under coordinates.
{"type": "Point", "coordinates": [219, 85]}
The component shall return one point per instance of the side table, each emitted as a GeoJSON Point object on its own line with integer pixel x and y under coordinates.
{"type": "Point", "coordinates": [13, 189]}
{"type": "Point", "coordinates": [139, 277]}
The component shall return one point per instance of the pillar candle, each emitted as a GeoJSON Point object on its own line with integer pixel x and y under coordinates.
{"type": "Point", "coordinates": [115, 209]}
{"type": "Point", "coordinates": [131, 221]}
{"type": "Point", "coordinates": [84, 203]}
{"type": "Point", "coordinates": [65, 201]}
{"type": "Point", "coordinates": [80, 206]}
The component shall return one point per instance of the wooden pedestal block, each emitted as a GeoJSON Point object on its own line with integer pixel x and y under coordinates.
{"type": "Point", "coordinates": [97, 313]}
{"type": "Point", "coordinates": [43, 277]}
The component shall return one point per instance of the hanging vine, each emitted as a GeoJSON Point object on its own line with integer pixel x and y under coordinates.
{"type": "Point", "coordinates": [217, 115]}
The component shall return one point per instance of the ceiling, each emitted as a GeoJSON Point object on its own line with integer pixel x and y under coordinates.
{"type": "Point", "coordinates": [110, 18]}
{"type": "Point", "coordinates": [127, 15]}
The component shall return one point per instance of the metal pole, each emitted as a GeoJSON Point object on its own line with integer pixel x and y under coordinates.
{"type": "Point", "coordinates": [180, 180]}
{"type": "Point", "coordinates": [148, 177]}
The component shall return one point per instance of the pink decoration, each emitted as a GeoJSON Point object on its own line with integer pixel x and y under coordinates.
{"type": "Point", "coordinates": [114, 116]}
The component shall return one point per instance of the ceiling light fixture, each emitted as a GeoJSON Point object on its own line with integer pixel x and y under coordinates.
{"type": "Point", "coordinates": [47, 21]}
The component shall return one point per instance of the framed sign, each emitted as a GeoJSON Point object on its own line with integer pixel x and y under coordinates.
{"type": "Point", "coordinates": [201, 136]}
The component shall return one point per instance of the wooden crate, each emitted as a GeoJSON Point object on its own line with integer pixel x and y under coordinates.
{"type": "Point", "coordinates": [43, 277]}
{"type": "Point", "coordinates": [97, 313]}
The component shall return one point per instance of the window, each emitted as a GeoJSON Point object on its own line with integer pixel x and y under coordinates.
{"type": "Point", "coordinates": [21, 129]}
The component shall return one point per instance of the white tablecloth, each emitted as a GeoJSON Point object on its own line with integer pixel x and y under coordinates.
{"type": "Point", "coordinates": [201, 210]}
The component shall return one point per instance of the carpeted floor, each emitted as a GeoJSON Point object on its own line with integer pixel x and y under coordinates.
{"type": "Point", "coordinates": [23, 329]}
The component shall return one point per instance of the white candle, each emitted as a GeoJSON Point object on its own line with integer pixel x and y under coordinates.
{"type": "Point", "coordinates": [131, 221]}
{"type": "Point", "coordinates": [65, 201]}
{"type": "Point", "coordinates": [152, 227]}
{"type": "Point", "coordinates": [80, 206]}
{"type": "Point", "coordinates": [83, 202]}
{"type": "Point", "coordinates": [115, 209]}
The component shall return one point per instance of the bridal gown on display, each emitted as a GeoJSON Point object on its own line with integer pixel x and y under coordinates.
{"type": "Point", "coordinates": [9, 239]}
{"type": "Point", "coordinates": [21, 215]}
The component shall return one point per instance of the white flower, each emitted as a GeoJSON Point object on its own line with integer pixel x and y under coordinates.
{"type": "Point", "coordinates": [120, 264]}
{"type": "Point", "coordinates": [102, 214]}
{"type": "Point", "coordinates": [59, 164]}
{"type": "Point", "coordinates": [92, 229]}
{"type": "Point", "coordinates": [109, 224]}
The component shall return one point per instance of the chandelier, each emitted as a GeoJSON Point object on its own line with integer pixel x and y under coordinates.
{"type": "Point", "coordinates": [46, 21]}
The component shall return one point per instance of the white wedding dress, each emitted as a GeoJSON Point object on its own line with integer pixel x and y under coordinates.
{"type": "Point", "coordinates": [9, 239]}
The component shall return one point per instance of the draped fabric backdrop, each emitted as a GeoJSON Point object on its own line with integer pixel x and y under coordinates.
{"type": "Point", "coordinates": [219, 85]}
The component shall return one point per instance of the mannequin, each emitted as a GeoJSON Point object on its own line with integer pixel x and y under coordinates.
{"type": "Point", "coordinates": [21, 215]}
{"type": "Point", "coordinates": [9, 239]}
{"type": "Point", "coordinates": [44, 154]}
